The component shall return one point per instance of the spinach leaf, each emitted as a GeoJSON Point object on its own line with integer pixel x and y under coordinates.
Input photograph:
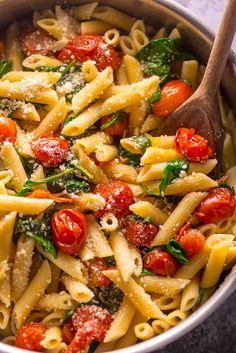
{"type": "Point", "coordinates": [110, 261]}
{"type": "Point", "coordinates": [226, 185]}
{"type": "Point", "coordinates": [141, 141]}
{"type": "Point", "coordinates": [172, 171]}
{"type": "Point", "coordinates": [39, 230]}
{"type": "Point", "coordinates": [69, 184]}
{"type": "Point", "coordinates": [29, 184]}
{"type": "Point", "coordinates": [109, 296]}
{"type": "Point", "coordinates": [130, 158]}
{"type": "Point", "coordinates": [177, 251]}
{"type": "Point", "coordinates": [5, 67]}
{"type": "Point", "coordinates": [85, 172]}
{"type": "Point", "coordinates": [201, 295]}
{"type": "Point", "coordinates": [116, 118]}
{"type": "Point", "coordinates": [138, 219]}
{"type": "Point", "coordinates": [146, 273]}
{"type": "Point", "coordinates": [155, 97]}
{"type": "Point", "coordinates": [63, 69]}
{"type": "Point", "coordinates": [158, 55]}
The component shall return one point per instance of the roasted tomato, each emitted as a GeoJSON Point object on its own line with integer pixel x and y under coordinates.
{"type": "Point", "coordinates": [173, 94]}
{"type": "Point", "coordinates": [91, 47]}
{"type": "Point", "coordinates": [192, 146]}
{"type": "Point", "coordinates": [140, 234]}
{"type": "Point", "coordinates": [116, 130]}
{"type": "Point", "coordinates": [95, 275]}
{"type": "Point", "coordinates": [49, 150]}
{"type": "Point", "coordinates": [34, 41]}
{"type": "Point", "coordinates": [69, 230]}
{"type": "Point", "coordinates": [118, 197]}
{"type": "Point", "coordinates": [161, 263]}
{"type": "Point", "coordinates": [1, 49]}
{"type": "Point", "coordinates": [30, 336]}
{"type": "Point", "coordinates": [68, 331]}
{"type": "Point", "coordinates": [192, 240]}
{"type": "Point", "coordinates": [7, 130]}
{"type": "Point", "coordinates": [219, 204]}
{"type": "Point", "coordinates": [91, 323]}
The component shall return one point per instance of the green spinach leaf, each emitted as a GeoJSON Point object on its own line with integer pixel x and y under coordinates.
{"type": "Point", "coordinates": [5, 67]}
{"type": "Point", "coordinates": [177, 251]}
{"type": "Point", "coordinates": [172, 171]}
{"type": "Point", "coordinates": [226, 185]}
{"type": "Point", "coordinates": [146, 273]}
{"type": "Point", "coordinates": [130, 158]}
{"type": "Point", "coordinates": [116, 118]}
{"type": "Point", "coordinates": [201, 295]}
{"type": "Point", "coordinates": [63, 69]}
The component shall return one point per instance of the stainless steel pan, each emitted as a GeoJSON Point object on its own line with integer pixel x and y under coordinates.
{"type": "Point", "coordinates": [198, 38]}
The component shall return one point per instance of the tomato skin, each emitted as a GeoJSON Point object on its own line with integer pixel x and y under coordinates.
{"type": "Point", "coordinates": [91, 47]}
{"type": "Point", "coordinates": [69, 230]}
{"type": "Point", "coordinates": [50, 151]}
{"type": "Point", "coordinates": [161, 263]}
{"type": "Point", "coordinates": [118, 197]}
{"type": "Point", "coordinates": [117, 129]}
{"type": "Point", "coordinates": [95, 276]}
{"type": "Point", "coordinates": [68, 330]}
{"type": "Point", "coordinates": [140, 234]}
{"type": "Point", "coordinates": [173, 94]}
{"type": "Point", "coordinates": [8, 130]}
{"type": "Point", "coordinates": [34, 41]}
{"type": "Point", "coordinates": [30, 336]}
{"type": "Point", "coordinates": [217, 206]}
{"type": "Point", "coordinates": [91, 323]}
{"type": "Point", "coordinates": [192, 241]}
{"type": "Point", "coordinates": [192, 146]}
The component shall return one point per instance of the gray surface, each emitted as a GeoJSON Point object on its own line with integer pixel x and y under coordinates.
{"type": "Point", "coordinates": [218, 333]}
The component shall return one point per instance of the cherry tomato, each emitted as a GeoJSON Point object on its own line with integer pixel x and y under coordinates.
{"type": "Point", "coordinates": [173, 94]}
{"type": "Point", "coordinates": [30, 336]}
{"type": "Point", "coordinates": [69, 230]}
{"type": "Point", "coordinates": [192, 146]}
{"type": "Point", "coordinates": [161, 263]}
{"type": "Point", "coordinates": [140, 234]}
{"type": "Point", "coordinates": [1, 49]}
{"type": "Point", "coordinates": [117, 129]}
{"type": "Point", "coordinates": [91, 323]}
{"type": "Point", "coordinates": [49, 150]}
{"type": "Point", "coordinates": [8, 130]}
{"type": "Point", "coordinates": [69, 331]}
{"type": "Point", "coordinates": [34, 41]}
{"type": "Point", "coordinates": [217, 206]}
{"type": "Point", "coordinates": [118, 197]}
{"type": "Point", "coordinates": [192, 241]}
{"type": "Point", "coordinates": [95, 276]}
{"type": "Point", "coordinates": [91, 47]}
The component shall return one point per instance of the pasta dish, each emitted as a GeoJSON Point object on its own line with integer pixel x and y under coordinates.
{"type": "Point", "coordinates": [110, 234]}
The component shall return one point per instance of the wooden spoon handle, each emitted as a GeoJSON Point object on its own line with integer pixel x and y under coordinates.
{"type": "Point", "coordinates": [220, 50]}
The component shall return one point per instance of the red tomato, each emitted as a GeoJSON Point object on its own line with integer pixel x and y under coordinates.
{"type": "Point", "coordinates": [161, 263]}
{"type": "Point", "coordinates": [192, 146]}
{"type": "Point", "coordinates": [30, 336]}
{"type": "Point", "coordinates": [140, 234]}
{"type": "Point", "coordinates": [1, 49]}
{"type": "Point", "coordinates": [7, 130]}
{"type": "Point", "coordinates": [173, 94]}
{"type": "Point", "coordinates": [117, 129]}
{"type": "Point", "coordinates": [49, 150]}
{"type": "Point", "coordinates": [95, 275]}
{"type": "Point", "coordinates": [91, 47]}
{"type": "Point", "coordinates": [68, 331]}
{"type": "Point", "coordinates": [69, 230]}
{"type": "Point", "coordinates": [34, 41]}
{"type": "Point", "coordinates": [217, 206]}
{"type": "Point", "coordinates": [192, 241]}
{"type": "Point", "coordinates": [118, 197]}
{"type": "Point", "coordinates": [91, 323]}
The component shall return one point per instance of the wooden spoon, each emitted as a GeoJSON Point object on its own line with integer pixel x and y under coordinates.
{"type": "Point", "coordinates": [201, 111]}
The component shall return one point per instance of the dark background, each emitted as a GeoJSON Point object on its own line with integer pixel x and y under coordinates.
{"type": "Point", "coordinates": [218, 333]}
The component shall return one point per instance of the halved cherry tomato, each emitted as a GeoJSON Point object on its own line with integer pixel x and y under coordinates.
{"type": "Point", "coordinates": [69, 230]}
{"type": "Point", "coordinates": [91, 47]}
{"type": "Point", "coordinates": [173, 94]}
{"type": "Point", "coordinates": [34, 41]}
{"type": "Point", "coordinates": [192, 240]}
{"type": "Point", "coordinates": [30, 336]}
{"type": "Point", "coordinates": [118, 197]}
{"type": "Point", "coordinates": [192, 146]}
{"type": "Point", "coordinates": [161, 263]}
{"type": "Point", "coordinates": [140, 234]}
{"type": "Point", "coordinates": [91, 323]}
{"type": "Point", "coordinates": [219, 204]}
{"type": "Point", "coordinates": [69, 331]}
{"type": "Point", "coordinates": [49, 150]}
{"type": "Point", "coordinates": [1, 49]}
{"type": "Point", "coordinates": [117, 129]}
{"type": "Point", "coordinates": [8, 130]}
{"type": "Point", "coordinates": [95, 276]}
